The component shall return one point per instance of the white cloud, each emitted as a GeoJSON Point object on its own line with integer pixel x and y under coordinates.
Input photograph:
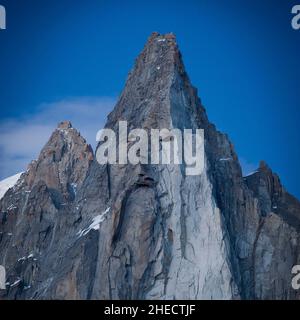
{"type": "Point", "coordinates": [22, 139]}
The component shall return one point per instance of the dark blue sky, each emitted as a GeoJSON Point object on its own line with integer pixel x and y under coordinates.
{"type": "Point", "coordinates": [243, 56]}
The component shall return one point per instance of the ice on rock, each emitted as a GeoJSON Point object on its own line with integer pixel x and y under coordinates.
{"type": "Point", "coordinates": [8, 183]}
{"type": "Point", "coordinates": [95, 225]}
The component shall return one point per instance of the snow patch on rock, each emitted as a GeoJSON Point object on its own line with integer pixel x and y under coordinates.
{"type": "Point", "coordinates": [95, 225]}
{"type": "Point", "coordinates": [8, 183]}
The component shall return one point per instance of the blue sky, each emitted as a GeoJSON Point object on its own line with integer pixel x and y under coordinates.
{"type": "Point", "coordinates": [64, 59]}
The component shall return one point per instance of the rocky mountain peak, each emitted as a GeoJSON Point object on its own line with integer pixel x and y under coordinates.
{"type": "Point", "coordinates": [272, 196]}
{"type": "Point", "coordinates": [64, 125]}
{"type": "Point", "coordinates": [73, 229]}
{"type": "Point", "coordinates": [266, 185]}
{"type": "Point", "coordinates": [158, 47]}
{"type": "Point", "coordinates": [153, 87]}
{"type": "Point", "coordinates": [64, 160]}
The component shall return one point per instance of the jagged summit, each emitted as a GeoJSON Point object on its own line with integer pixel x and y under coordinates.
{"type": "Point", "coordinates": [65, 159]}
{"type": "Point", "coordinates": [65, 125]}
{"type": "Point", "coordinates": [273, 197]}
{"type": "Point", "coordinates": [157, 78]}
{"type": "Point", "coordinates": [161, 52]}
{"type": "Point", "coordinates": [156, 35]}
{"type": "Point", "coordinates": [157, 41]}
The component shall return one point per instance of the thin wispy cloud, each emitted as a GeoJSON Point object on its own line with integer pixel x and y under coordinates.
{"type": "Point", "coordinates": [247, 166]}
{"type": "Point", "coordinates": [21, 139]}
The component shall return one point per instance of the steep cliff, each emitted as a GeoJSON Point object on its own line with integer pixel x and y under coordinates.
{"type": "Point", "coordinates": [74, 229]}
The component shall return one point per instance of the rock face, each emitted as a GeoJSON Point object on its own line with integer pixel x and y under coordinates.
{"type": "Point", "coordinates": [74, 229]}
